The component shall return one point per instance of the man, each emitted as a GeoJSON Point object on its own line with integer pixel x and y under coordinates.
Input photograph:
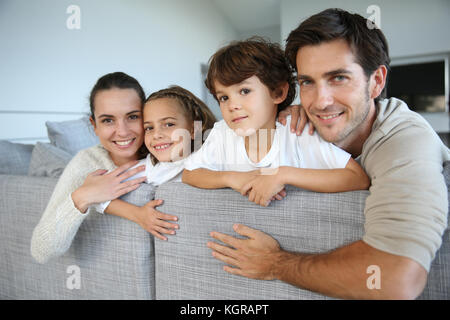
{"type": "Point", "coordinates": [342, 70]}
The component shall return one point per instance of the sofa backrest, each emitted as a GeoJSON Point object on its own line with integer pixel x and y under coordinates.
{"type": "Point", "coordinates": [303, 222]}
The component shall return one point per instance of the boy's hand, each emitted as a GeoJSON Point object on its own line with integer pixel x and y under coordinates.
{"type": "Point", "coordinates": [264, 188]}
{"type": "Point", "coordinates": [154, 221]}
{"type": "Point", "coordinates": [237, 180]}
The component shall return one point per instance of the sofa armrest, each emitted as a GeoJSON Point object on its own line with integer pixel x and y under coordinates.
{"type": "Point", "coordinates": [114, 256]}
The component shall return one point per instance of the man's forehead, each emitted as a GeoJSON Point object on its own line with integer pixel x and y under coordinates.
{"type": "Point", "coordinates": [325, 57]}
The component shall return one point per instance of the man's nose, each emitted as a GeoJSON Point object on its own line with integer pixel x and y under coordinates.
{"type": "Point", "coordinates": [324, 97]}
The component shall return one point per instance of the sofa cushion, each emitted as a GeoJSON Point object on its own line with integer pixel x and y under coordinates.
{"type": "Point", "coordinates": [48, 160]}
{"type": "Point", "coordinates": [72, 136]}
{"type": "Point", "coordinates": [14, 157]}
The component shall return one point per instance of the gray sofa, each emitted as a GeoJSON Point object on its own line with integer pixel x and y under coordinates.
{"type": "Point", "coordinates": [113, 258]}
{"type": "Point", "coordinates": [116, 259]}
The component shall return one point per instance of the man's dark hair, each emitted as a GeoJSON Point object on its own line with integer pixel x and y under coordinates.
{"type": "Point", "coordinates": [367, 42]}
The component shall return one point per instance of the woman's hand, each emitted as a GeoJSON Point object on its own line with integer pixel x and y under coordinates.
{"type": "Point", "coordinates": [154, 221]}
{"type": "Point", "coordinates": [298, 119]}
{"type": "Point", "coordinates": [100, 186]}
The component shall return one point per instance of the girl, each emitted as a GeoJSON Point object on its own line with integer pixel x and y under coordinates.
{"type": "Point", "coordinates": [116, 103]}
{"type": "Point", "coordinates": [252, 82]}
{"type": "Point", "coordinates": [169, 117]}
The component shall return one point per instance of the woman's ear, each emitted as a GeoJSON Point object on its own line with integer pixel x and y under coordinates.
{"type": "Point", "coordinates": [92, 122]}
{"type": "Point", "coordinates": [280, 94]}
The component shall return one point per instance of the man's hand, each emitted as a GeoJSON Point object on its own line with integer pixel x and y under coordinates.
{"type": "Point", "coordinates": [298, 119]}
{"type": "Point", "coordinates": [254, 257]}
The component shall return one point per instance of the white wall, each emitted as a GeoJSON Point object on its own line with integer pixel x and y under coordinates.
{"type": "Point", "coordinates": [48, 70]}
{"type": "Point", "coordinates": [412, 28]}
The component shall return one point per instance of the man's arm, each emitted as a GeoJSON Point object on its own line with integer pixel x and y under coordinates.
{"type": "Point", "coordinates": [341, 273]}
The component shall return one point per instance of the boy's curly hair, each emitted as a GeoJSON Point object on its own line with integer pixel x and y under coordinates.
{"type": "Point", "coordinates": [255, 56]}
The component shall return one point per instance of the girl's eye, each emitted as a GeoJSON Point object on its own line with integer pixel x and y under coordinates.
{"type": "Point", "coordinates": [245, 91]}
{"type": "Point", "coordinates": [107, 120]}
{"type": "Point", "coordinates": [148, 128]}
{"type": "Point", "coordinates": [170, 124]}
{"type": "Point", "coordinates": [133, 117]}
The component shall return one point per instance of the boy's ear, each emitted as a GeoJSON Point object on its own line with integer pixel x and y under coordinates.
{"type": "Point", "coordinates": [280, 94]}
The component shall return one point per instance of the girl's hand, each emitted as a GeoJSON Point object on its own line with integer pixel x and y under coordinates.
{"type": "Point", "coordinates": [263, 189]}
{"type": "Point", "coordinates": [100, 186]}
{"type": "Point", "coordinates": [298, 119]}
{"type": "Point", "coordinates": [154, 221]}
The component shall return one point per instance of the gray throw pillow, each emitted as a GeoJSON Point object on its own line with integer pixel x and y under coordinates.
{"type": "Point", "coordinates": [48, 161]}
{"type": "Point", "coordinates": [14, 157]}
{"type": "Point", "coordinates": [73, 135]}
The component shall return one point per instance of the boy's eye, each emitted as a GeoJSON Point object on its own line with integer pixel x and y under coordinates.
{"type": "Point", "coordinates": [245, 91]}
{"type": "Point", "coordinates": [134, 117]}
{"type": "Point", "coordinates": [169, 124]}
{"type": "Point", "coordinates": [148, 128]}
{"type": "Point", "coordinates": [222, 98]}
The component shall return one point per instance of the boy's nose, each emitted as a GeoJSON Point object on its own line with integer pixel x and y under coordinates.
{"type": "Point", "coordinates": [234, 105]}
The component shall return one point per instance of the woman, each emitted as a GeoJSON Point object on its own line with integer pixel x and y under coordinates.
{"type": "Point", "coordinates": [116, 103]}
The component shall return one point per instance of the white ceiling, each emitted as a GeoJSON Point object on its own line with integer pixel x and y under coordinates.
{"type": "Point", "coordinates": [248, 15]}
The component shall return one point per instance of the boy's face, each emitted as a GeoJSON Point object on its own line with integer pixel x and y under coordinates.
{"type": "Point", "coordinates": [247, 106]}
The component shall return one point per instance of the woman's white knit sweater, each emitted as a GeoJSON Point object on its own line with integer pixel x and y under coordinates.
{"type": "Point", "coordinates": [61, 219]}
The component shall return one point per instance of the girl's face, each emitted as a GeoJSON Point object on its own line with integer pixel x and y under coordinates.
{"type": "Point", "coordinates": [168, 132]}
{"type": "Point", "coordinates": [118, 123]}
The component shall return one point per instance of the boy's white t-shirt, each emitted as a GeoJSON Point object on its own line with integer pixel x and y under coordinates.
{"type": "Point", "coordinates": [224, 150]}
{"type": "Point", "coordinates": [156, 175]}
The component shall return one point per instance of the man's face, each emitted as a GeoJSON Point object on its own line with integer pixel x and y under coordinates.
{"type": "Point", "coordinates": [334, 90]}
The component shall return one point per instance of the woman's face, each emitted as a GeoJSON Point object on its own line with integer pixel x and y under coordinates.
{"type": "Point", "coordinates": [118, 123]}
{"type": "Point", "coordinates": [168, 132]}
